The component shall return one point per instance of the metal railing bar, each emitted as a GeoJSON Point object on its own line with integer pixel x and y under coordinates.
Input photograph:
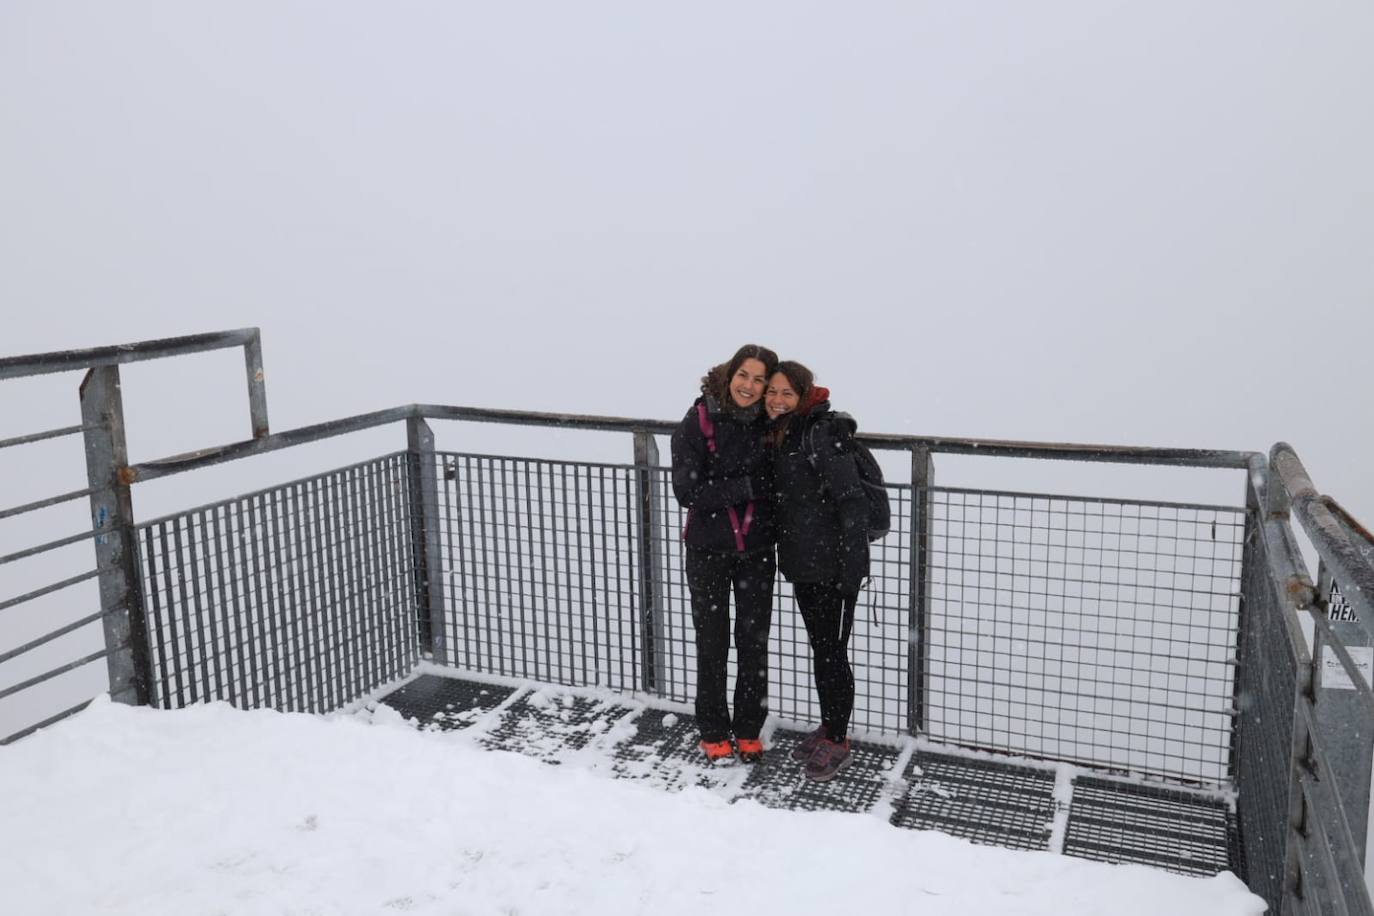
{"type": "Point", "coordinates": [1334, 543]}
{"type": "Point", "coordinates": [51, 545]}
{"type": "Point", "coordinates": [527, 459]}
{"type": "Point", "coordinates": [68, 360]}
{"type": "Point", "coordinates": [255, 494]}
{"type": "Point", "coordinates": [1061, 497]}
{"type": "Point", "coordinates": [151, 470]}
{"type": "Point", "coordinates": [50, 501]}
{"type": "Point", "coordinates": [39, 437]}
{"type": "Point", "coordinates": [49, 675]}
{"type": "Point", "coordinates": [177, 464]}
{"type": "Point", "coordinates": [1211, 458]}
{"type": "Point", "coordinates": [49, 589]}
{"type": "Point", "coordinates": [1359, 531]}
{"type": "Point", "coordinates": [50, 720]}
{"type": "Point", "coordinates": [55, 634]}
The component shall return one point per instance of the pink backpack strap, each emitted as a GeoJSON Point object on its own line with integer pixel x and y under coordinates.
{"type": "Point", "coordinates": [708, 429]}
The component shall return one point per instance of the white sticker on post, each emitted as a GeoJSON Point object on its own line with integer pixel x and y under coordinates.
{"type": "Point", "coordinates": [1334, 675]}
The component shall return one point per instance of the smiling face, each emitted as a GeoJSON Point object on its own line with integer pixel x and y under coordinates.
{"type": "Point", "coordinates": [746, 386]}
{"type": "Point", "coordinates": [780, 398]}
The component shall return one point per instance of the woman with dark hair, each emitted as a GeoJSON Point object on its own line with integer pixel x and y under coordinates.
{"type": "Point", "coordinates": [822, 520]}
{"type": "Point", "coordinates": [722, 475]}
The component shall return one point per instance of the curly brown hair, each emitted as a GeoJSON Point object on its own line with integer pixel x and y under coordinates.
{"type": "Point", "coordinates": [716, 381]}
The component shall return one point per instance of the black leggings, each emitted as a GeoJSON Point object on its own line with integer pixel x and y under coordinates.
{"type": "Point", "coordinates": [828, 625]}
{"type": "Point", "coordinates": [710, 577]}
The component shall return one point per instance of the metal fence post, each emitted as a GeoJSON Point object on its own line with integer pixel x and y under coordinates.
{"type": "Point", "coordinates": [116, 555]}
{"type": "Point", "coordinates": [648, 496]}
{"type": "Point", "coordinates": [918, 623]}
{"type": "Point", "coordinates": [257, 385]}
{"type": "Point", "coordinates": [1344, 724]}
{"type": "Point", "coordinates": [424, 536]}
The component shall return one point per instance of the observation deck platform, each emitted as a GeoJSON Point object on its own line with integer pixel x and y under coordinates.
{"type": "Point", "coordinates": [993, 800]}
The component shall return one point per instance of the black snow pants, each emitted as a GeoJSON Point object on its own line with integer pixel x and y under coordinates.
{"type": "Point", "coordinates": [711, 575]}
{"type": "Point", "coordinates": [829, 620]}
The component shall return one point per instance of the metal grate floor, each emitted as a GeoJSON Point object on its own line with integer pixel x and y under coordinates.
{"type": "Point", "coordinates": [1116, 822]}
{"type": "Point", "coordinates": [995, 802]}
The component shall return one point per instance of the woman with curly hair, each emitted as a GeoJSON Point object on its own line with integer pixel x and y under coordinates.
{"type": "Point", "coordinates": [722, 475]}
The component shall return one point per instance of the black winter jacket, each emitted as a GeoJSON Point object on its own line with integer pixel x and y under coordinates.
{"type": "Point", "coordinates": [708, 485]}
{"type": "Point", "coordinates": [822, 513]}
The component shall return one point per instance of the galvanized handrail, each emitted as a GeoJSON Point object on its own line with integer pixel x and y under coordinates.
{"type": "Point", "coordinates": [250, 339]}
{"type": "Point", "coordinates": [176, 464]}
{"type": "Point", "coordinates": [1334, 538]}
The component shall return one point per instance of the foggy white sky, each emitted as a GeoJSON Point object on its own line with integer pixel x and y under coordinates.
{"type": "Point", "coordinates": [1087, 221]}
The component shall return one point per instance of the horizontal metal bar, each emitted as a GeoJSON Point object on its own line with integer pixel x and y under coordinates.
{"type": "Point", "coordinates": [253, 494]}
{"type": "Point", "coordinates": [555, 462]}
{"type": "Point", "coordinates": [165, 467]}
{"type": "Point", "coordinates": [1358, 533]}
{"type": "Point", "coordinates": [55, 634]}
{"type": "Point", "coordinates": [1238, 511]}
{"type": "Point", "coordinates": [1209, 458]}
{"type": "Point", "coordinates": [50, 501]}
{"type": "Point", "coordinates": [50, 720]}
{"type": "Point", "coordinates": [68, 360]}
{"type": "Point", "coordinates": [39, 437]}
{"type": "Point", "coordinates": [51, 545]}
{"type": "Point", "coordinates": [1334, 541]}
{"type": "Point", "coordinates": [49, 675]}
{"type": "Point", "coordinates": [49, 589]}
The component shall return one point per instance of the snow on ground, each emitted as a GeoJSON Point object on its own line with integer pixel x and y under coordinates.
{"type": "Point", "coordinates": [211, 810]}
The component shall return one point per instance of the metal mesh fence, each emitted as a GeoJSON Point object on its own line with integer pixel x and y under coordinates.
{"type": "Point", "coordinates": [1264, 728]}
{"type": "Point", "coordinates": [1096, 631]}
{"type": "Point", "coordinates": [298, 598]}
{"type": "Point", "coordinates": [540, 566]}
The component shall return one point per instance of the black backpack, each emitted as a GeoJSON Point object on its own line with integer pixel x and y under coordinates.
{"type": "Point", "coordinates": [870, 475]}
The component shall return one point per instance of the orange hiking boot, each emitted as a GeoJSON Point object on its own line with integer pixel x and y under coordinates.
{"type": "Point", "coordinates": [717, 751]}
{"type": "Point", "coordinates": [750, 749]}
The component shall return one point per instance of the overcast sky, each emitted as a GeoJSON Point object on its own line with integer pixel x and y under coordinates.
{"type": "Point", "coordinates": [1121, 222]}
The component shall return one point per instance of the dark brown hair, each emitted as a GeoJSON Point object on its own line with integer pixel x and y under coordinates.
{"type": "Point", "coordinates": [716, 382]}
{"type": "Point", "coordinates": [799, 377]}
{"type": "Point", "coordinates": [802, 381]}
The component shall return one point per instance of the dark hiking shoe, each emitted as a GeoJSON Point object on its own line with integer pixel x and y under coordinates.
{"type": "Point", "coordinates": [827, 759]}
{"type": "Point", "coordinates": [750, 750]}
{"type": "Point", "coordinates": [803, 751]}
{"type": "Point", "coordinates": [717, 751]}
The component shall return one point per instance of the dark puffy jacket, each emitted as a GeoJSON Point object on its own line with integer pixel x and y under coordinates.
{"type": "Point", "coordinates": [709, 485]}
{"type": "Point", "coordinates": [821, 510]}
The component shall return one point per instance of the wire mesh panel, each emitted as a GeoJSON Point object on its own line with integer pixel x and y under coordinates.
{"type": "Point", "coordinates": [540, 560]}
{"type": "Point", "coordinates": [1094, 631]}
{"type": "Point", "coordinates": [1267, 690]}
{"type": "Point", "coordinates": [298, 598]}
